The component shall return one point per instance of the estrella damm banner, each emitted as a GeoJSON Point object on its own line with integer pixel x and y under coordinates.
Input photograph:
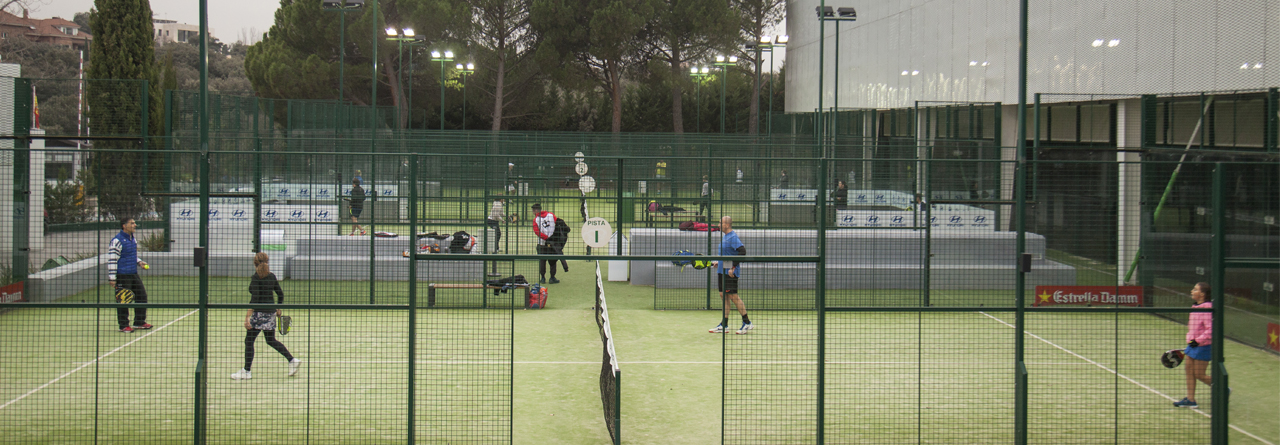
{"type": "Point", "coordinates": [1088, 295]}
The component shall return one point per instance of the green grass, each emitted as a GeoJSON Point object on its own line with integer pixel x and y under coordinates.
{"type": "Point", "coordinates": [891, 377]}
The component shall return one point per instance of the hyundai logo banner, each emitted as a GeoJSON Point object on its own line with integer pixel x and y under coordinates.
{"type": "Point", "coordinates": [187, 213]}
{"type": "Point", "coordinates": [318, 192]}
{"type": "Point", "coordinates": [972, 219]}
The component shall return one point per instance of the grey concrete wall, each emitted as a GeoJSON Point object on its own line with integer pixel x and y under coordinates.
{"type": "Point", "coordinates": [856, 259]}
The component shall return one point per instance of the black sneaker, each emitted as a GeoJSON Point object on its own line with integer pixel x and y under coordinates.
{"type": "Point", "coordinates": [553, 281]}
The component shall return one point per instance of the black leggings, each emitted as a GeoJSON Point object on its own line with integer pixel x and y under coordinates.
{"type": "Point", "coordinates": [271, 340]}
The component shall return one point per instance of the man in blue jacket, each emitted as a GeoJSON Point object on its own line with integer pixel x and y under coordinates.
{"type": "Point", "coordinates": [122, 273]}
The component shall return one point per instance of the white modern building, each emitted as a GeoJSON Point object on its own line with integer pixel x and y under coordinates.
{"type": "Point", "coordinates": [172, 31]}
{"type": "Point", "coordinates": [901, 51]}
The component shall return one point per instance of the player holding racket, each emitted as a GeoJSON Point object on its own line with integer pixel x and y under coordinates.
{"type": "Point", "coordinates": [256, 321]}
{"type": "Point", "coordinates": [122, 274]}
{"type": "Point", "coordinates": [1199, 344]}
{"type": "Point", "coordinates": [727, 276]}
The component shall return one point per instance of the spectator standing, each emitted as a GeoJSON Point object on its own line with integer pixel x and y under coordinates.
{"type": "Point", "coordinates": [544, 225]}
{"type": "Point", "coordinates": [494, 222]}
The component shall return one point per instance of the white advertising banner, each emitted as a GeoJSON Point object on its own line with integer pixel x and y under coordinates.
{"type": "Point", "coordinates": [231, 224]}
{"type": "Point", "coordinates": [312, 192]}
{"type": "Point", "coordinates": [967, 219]}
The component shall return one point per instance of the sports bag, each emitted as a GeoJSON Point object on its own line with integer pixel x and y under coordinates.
{"type": "Point", "coordinates": [462, 242]}
{"type": "Point", "coordinates": [536, 298]}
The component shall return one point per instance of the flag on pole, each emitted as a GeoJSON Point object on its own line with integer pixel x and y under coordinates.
{"type": "Point", "coordinates": [35, 108]}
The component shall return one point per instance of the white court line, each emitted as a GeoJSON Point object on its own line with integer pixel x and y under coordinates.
{"type": "Point", "coordinates": [113, 351]}
{"type": "Point", "coordinates": [1135, 382]}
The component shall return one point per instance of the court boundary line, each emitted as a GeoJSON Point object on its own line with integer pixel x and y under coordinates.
{"type": "Point", "coordinates": [113, 351]}
{"type": "Point", "coordinates": [1135, 382]}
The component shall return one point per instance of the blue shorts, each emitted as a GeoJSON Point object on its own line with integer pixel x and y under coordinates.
{"type": "Point", "coordinates": [355, 211]}
{"type": "Point", "coordinates": [1203, 353]}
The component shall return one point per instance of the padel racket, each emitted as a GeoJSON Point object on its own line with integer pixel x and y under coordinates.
{"type": "Point", "coordinates": [124, 295]}
{"type": "Point", "coordinates": [283, 323]}
{"type": "Point", "coordinates": [1171, 358]}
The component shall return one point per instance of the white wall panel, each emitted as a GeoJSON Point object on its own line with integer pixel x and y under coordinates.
{"type": "Point", "coordinates": [1165, 46]}
{"type": "Point", "coordinates": [1193, 46]}
{"type": "Point", "coordinates": [1154, 46]}
{"type": "Point", "coordinates": [1122, 63]}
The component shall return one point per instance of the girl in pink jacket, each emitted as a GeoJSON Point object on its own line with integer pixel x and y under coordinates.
{"type": "Point", "coordinates": [1199, 344]}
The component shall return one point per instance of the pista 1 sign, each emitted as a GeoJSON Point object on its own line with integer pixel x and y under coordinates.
{"type": "Point", "coordinates": [1088, 295]}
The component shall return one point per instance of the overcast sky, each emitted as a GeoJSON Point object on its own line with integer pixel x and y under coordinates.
{"type": "Point", "coordinates": [231, 20]}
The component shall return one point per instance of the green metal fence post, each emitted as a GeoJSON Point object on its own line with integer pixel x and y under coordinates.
{"type": "Point", "coordinates": [413, 296]}
{"type": "Point", "coordinates": [821, 286]}
{"type": "Point", "coordinates": [1272, 108]}
{"type": "Point", "coordinates": [21, 178]}
{"type": "Point", "coordinates": [257, 185]}
{"type": "Point", "coordinates": [202, 120]}
{"type": "Point", "coordinates": [144, 134]}
{"type": "Point", "coordinates": [168, 169]}
{"type": "Point", "coordinates": [1217, 280]}
{"type": "Point", "coordinates": [373, 146]}
{"type": "Point", "coordinates": [1019, 301]}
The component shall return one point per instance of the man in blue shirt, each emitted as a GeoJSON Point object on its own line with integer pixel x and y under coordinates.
{"type": "Point", "coordinates": [727, 274]}
{"type": "Point", "coordinates": [122, 273]}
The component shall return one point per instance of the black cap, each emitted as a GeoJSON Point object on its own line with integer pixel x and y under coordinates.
{"type": "Point", "coordinates": [537, 206]}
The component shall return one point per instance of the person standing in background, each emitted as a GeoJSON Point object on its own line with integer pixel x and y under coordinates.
{"type": "Point", "coordinates": [706, 195]}
{"type": "Point", "coordinates": [784, 182]}
{"type": "Point", "coordinates": [356, 206]}
{"type": "Point", "coordinates": [841, 195]}
{"type": "Point", "coordinates": [544, 225]}
{"type": "Point", "coordinates": [494, 222]}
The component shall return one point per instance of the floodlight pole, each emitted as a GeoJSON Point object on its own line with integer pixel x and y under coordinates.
{"type": "Point", "coordinates": [465, 70]}
{"type": "Point", "coordinates": [698, 74]}
{"type": "Point", "coordinates": [342, 11]}
{"type": "Point", "coordinates": [724, 62]}
{"type": "Point", "coordinates": [769, 118]}
{"type": "Point", "coordinates": [446, 56]}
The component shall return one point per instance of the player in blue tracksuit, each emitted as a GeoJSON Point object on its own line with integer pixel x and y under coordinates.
{"type": "Point", "coordinates": [122, 272]}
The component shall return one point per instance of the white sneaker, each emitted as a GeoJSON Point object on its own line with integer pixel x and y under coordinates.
{"type": "Point", "coordinates": [242, 375]}
{"type": "Point", "coordinates": [745, 327]}
{"type": "Point", "coordinates": [719, 329]}
{"type": "Point", "coordinates": [293, 366]}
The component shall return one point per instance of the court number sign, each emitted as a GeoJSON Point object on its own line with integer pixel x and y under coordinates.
{"type": "Point", "coordinates": [596, 232]}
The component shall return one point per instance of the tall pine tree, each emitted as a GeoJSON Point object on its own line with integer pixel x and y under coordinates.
{"type": "Point", "coordinates": [123, 58]}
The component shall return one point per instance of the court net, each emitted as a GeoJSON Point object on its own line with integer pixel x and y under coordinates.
{"type": "Point", "coordinates": [610, 375]}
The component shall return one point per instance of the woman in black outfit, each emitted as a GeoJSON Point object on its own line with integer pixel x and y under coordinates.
{"type": "Point", "coordinates": [261, 286]}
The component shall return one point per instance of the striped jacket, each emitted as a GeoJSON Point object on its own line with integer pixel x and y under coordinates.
{"type": "Point", "coordinates": [122, 255]}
